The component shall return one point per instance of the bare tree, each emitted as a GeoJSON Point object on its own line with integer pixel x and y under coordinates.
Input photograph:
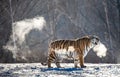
{"type": "Point", "coordinates": [118, 6]}
{"type": "Point", "coordinates": [107, 21]}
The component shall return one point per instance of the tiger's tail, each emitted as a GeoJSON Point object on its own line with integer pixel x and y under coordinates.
{"type": "Point", "coordinates": [44, 64]}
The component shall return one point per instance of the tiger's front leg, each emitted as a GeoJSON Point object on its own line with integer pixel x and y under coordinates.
{"type": "Point", "coordinates": [76, 63]}
{"type": "Point", "coordinates": [81, 58]}
{"type": "Point", "coordinates": [76, 59]}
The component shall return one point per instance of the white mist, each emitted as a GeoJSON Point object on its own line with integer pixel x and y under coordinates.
{"type": "Point", "coordinates": [100, 50]}
{"type": "Point", "coordinates": [21, 29]}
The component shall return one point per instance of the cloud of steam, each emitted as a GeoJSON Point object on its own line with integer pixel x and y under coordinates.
{"type": "Point", "coordinates": [100, 50]}
{"type": "Point", "coordinates": [25, 26]}
{"type": "Point", "coordinates": [21, 29]}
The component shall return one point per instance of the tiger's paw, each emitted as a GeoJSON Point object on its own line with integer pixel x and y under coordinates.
{"type": "Point", "coordinates": [60, 67]}
{"type": "Point", "coordinates": [82, 66]}
{"type": "Point", "coordinates": [50, 67]}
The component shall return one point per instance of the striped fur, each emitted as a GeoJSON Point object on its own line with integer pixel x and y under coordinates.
{"type": "Point", "coordinates": [74, 49]}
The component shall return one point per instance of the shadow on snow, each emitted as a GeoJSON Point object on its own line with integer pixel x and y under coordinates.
{"type": "Point", "coordinates": [60, 69]}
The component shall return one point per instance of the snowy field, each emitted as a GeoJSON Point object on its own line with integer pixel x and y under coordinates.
{"type": "Point", "coordinates": [37, 70]}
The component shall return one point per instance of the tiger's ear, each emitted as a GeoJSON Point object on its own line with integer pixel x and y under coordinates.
{"type": "Point", "coordinates": [77, 38]}
{"type": "Point", "coordinates": [94, 36]}
{"type": "Point", "coordinates": [86, 36]}
{"type": "Point", "coordinates": [91, 36]}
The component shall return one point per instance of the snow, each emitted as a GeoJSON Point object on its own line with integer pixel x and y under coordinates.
{"type": "Point", "coordinates": [37, 70]}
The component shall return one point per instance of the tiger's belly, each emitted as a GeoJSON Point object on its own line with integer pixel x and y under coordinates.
{"type": "Point", "coordinates": [65, 54]}
{"type": "Point", "coordinates": [68, 54]}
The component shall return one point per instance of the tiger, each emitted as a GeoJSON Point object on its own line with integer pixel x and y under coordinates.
{"type": "Point", "coordinates": [75, 49]}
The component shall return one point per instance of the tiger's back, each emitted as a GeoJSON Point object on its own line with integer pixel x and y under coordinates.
{"type": "Point", "coordinates": [62, 44]}
{"type": "Point", "coordinates": [77, 44]}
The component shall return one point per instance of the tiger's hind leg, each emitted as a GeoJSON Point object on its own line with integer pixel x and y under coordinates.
{"type": "Point", "coordinates": [58, 64]}
{"type": "Point", "coordinates": [51, 58]}
{"type": "Point", "coordinates": [49, 63]}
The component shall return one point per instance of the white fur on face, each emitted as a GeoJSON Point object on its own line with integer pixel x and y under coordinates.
{"type": "Point", "coordinates": [100, 50]}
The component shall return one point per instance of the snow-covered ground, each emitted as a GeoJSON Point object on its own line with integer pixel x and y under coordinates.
{"type": "Point", "coordinates": [37, 70]}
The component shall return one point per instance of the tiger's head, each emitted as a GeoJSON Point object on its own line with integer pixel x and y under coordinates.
{"type": "Point", "coordinates": [94, 40]}
{"type": "Point", "coordinates": [98, 47]}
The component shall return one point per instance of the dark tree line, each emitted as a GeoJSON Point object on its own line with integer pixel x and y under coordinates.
{"type": "Point", "coordinates": [65, 19]}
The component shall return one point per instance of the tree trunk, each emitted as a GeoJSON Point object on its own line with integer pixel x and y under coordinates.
{"type": "Point", "coordinates": [107, 22]}
{"type": "Point", "coordinates": [118, 6]}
